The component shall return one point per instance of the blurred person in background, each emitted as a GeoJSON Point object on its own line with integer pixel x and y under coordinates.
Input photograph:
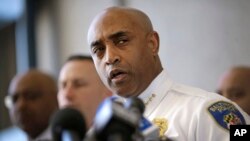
{"type": "Point", "coordinates": [80, 87]}
{"type": "Point", "coordinates": [235, 85]}
{"type": "Point", "coordinates": [31, 100]}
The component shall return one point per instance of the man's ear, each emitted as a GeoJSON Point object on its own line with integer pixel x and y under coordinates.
{"type": "Point", "coordinates": [154, 42]}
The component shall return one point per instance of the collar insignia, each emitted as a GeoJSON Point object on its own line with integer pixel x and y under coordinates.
{"type": "Point", "coordinates": [150, 99]}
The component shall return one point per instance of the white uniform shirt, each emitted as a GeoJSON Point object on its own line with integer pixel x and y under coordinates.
{"type": "Point", "coordinates": [190, 114]}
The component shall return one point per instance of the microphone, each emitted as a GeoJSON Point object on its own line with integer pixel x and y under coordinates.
{"type": "Point", "coordinates": [149, 131]}
{"type": "Point", "coordinates": [114, 123]}
{"type": "Point", "coordinates": [68, 125]}
{"type": "Point", "coordinates": [124, 121]}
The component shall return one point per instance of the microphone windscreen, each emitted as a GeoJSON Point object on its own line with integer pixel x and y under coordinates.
{"type": "Point", "coordinates": [67, 119]}
{"type": "Point", "coordinates": [137, 103]}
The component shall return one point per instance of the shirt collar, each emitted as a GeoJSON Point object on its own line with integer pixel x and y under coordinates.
{"type": "Point", "coordinates": [154, 84]}
{"type": "Point", "coordinates": [155, 92]}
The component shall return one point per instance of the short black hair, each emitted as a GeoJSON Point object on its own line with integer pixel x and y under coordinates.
{"type": "Point", "coordinates": [79, 57]}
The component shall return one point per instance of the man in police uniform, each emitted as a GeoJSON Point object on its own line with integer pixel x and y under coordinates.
{"type": "Point", "coordinates": [124, 48]}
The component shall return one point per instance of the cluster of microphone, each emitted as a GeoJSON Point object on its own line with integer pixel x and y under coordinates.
{"type": "Point", "coordinates": [114, 121]}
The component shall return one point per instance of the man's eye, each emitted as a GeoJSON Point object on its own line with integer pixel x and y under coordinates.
{"type": "Point", "coordinates": [79, 84]}
{"type": "Point", "coordinates": [237, 95]}
{"type": "Point", "coordinates": [121, 41]}
{"type": "Point", "coordinates": [97, 49]}
{"type": "Point", "coordinates": [32, 95]}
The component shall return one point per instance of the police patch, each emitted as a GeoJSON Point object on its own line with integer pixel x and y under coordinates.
{"type": "Point", "coordinates": [226, 114]}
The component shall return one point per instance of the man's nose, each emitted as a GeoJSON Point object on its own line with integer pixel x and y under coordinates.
{"type": "Point", "coordinates": [112, 55]}
{"type": "Point", "coordinates": [68, 92]}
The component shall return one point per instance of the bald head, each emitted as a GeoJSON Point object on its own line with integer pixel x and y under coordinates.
{"type": "Point", "coordinates": [242, 70]}
{"type": "Point", "coordinates": [31, 100]}
{"type": "Point", "coordinates": [235, 85]}
{"type": "Point", "coordinates": [34, 78]}
{"type": "Point", "coordinates": [135, 17]}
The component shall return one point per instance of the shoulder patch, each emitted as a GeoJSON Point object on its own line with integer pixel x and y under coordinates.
{"type": "Point", "coordinates": [226, 114]}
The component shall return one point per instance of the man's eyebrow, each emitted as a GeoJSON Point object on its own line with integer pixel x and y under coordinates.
{"type": "Point", "coordinates": [95, 43]}
{"type": "Point", "coordinates": [118, 34]}
{"type": "Point", "coordinates": [112, 36]}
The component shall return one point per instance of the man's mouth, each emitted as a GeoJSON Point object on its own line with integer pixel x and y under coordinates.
{"type": "Point", "coordinates": [116, 75]}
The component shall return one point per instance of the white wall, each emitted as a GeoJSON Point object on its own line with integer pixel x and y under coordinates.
{"type": "Point", "coordinates": [199, 38]}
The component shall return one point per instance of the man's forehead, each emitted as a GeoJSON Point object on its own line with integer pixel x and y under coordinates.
{"type": "Point", "coordinates": [25, 87]}
{"type": "Point", "coordinates": [73, 75]}
{"type": "Point", "coordinates": [108, 23]}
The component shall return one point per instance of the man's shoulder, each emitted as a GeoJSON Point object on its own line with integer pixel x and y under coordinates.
{"type": "Point", "coordinates": [195, 93]}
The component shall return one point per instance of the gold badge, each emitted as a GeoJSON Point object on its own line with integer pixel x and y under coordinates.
{"type": "Point", "coordinates": [162, 123]}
